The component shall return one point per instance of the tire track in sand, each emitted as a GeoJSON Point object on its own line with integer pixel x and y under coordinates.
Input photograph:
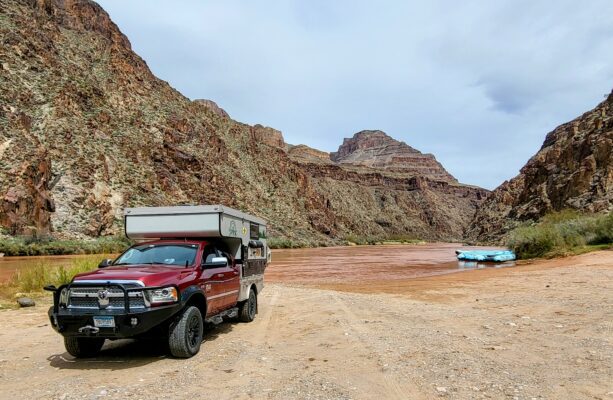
{"type": "Point", "coordinates": [394, 388]}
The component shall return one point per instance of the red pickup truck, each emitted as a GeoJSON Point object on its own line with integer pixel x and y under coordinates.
{"type": "Point", "coordinates": [205, 264]}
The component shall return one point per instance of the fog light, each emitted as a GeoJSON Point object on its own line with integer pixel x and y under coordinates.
{"type": "Point", "coordinates": [133, 321]}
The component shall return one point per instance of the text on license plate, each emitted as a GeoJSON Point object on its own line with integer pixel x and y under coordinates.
{"type": "Point", "coordinates": [104, 322]}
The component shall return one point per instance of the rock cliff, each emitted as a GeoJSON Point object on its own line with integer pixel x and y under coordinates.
{"type": "Point", "coordinates": [573, 169]}
{"type": "Point", "coordinates": [212, 106]}
{"type": "Point", "coordinates": [374, 197]}
{"type": "Point", "coordinates": [375, 149]}
{"type": "Point", "coordinates": [86, 129]}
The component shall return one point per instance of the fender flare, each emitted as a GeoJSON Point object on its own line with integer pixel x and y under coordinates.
{"type": "Point", "coordinates": [188, 294]}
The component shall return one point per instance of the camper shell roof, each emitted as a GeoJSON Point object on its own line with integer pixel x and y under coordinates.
{"type": "Point", "coordinates": [203, 221]}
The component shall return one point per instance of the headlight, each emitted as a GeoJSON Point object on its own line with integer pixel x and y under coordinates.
{"type": "Point", "coordinates": [64, 297]}
{"type": "Point", "coordinates": [164, 295]}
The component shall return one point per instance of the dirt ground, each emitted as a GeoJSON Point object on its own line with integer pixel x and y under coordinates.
{"type": "Point", "coordinates": [537, 331]}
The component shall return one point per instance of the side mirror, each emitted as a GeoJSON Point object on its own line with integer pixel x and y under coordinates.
{"type": "Point", "coordinates": [105, 263]}
{"type": "Point", "coordinates": [216, 262]}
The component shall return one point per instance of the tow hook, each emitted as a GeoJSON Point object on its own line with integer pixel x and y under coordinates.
{"type": "Point", "coordinates": [90, 330]}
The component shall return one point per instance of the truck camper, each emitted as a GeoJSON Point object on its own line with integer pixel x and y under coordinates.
{"type": "Point", "coordinates": [190, 265]}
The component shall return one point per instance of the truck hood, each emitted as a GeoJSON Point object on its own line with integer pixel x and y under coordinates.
{"type": "Point", "coordinates": [150, 275]}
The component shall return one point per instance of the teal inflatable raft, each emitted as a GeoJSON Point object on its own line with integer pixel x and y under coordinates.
{"type": "Point", "coordinates": [485, 255]}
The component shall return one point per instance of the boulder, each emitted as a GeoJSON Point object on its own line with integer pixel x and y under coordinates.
{"type": "Point", "coordinates": [25, 302]}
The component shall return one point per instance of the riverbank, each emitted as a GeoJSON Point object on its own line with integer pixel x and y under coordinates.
{"type": "Point", "coordinates": [540, 330]}
{"type": "Point", "coordinates": [28, 246]}
{"type": "Point", "coordinates": [561, 234]}
{"type": "Point", "coordinates": [29, 274]}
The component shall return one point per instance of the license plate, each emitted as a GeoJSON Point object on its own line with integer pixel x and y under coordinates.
{"type": "Point", "coordinates": [104, 322]}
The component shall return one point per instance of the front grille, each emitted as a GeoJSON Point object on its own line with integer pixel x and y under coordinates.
{"type": "Point", "coordinates": [87, 298]}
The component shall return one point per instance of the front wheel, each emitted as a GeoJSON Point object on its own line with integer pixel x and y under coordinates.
{"type": "Point", "coordinates": [81, 347]}
{"type": "Point", "coordinates": [186, 335]}
{"type": "Point", "coordinates": [248, 308]}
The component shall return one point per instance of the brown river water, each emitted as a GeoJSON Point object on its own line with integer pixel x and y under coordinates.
{"type": "Point", "coordinates": [327, 265]}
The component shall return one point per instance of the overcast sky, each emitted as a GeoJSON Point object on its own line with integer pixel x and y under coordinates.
{"type": "Point", "coordinates": [477, 83]}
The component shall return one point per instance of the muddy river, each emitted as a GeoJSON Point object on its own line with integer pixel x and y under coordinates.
{"type": "Point", "coordinates": [322, 265]}
{"type": "Point", "coordinates": [368, 263]}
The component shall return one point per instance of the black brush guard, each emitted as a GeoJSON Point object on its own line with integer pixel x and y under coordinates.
{"type": "Point", "coordinates": [70, 322]}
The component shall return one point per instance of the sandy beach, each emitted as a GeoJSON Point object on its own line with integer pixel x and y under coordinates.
{"type": "Point", "coordinates": [541, 330]}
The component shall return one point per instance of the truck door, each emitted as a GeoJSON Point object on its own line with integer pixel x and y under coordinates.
{"type": "Point", "coordinates": [212, 281]}
{"type": "Point", "coordinates": [231, 283]}
{"type": "Point", "coordinates": [221, 283]}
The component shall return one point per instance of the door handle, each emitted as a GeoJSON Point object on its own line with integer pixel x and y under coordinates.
{"type": "Point", "coordinates": [220, 275]}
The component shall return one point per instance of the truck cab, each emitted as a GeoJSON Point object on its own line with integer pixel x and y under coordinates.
{"type": "Point", "coordinates": [167, 286]}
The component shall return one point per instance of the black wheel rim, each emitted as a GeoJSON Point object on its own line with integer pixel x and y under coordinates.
{"type": "Point", "coordinates": [252, 305]}
{"type": "Point", "coordinates": [193, 331]}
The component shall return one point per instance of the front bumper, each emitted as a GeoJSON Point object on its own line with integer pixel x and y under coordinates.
{"type": "Point", "coordinates": [79, 322]}
{"type": "Point", "coordinates": [128, 322]}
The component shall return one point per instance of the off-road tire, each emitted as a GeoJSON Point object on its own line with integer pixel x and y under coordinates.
{"type": "Point", "coordinates": [248, 308]}
{"type": "Point", "coordinates": [186, 335]}
{"type": "Point", "coordinates": [82, 347]}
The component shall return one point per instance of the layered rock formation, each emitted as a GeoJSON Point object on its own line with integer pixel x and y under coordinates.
{"type": "Point", "coordinates": [375, 149]}
{"type": "Point", "coordinates": [305, 154]}
{"type": "Point", "coordinates": [573, 169]}
{"type": "Point", "coordinates": [86, 129]}
{"type": "Point", "coordinates": [367, 192]}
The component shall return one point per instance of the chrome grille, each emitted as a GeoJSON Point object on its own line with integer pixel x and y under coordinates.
{"type": "Point", "coordinates": [87, 298]}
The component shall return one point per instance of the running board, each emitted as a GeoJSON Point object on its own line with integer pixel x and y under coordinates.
{"type": "Point", "coordinates": [218, 319]}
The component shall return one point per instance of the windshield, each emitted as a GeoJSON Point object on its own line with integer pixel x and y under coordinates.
{"type": "Point", "coordinates": [167, 254]}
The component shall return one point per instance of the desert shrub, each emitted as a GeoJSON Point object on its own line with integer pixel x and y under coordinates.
{"type": "Point", "coordinates": [561, 233]}
{"type": "Point", "coordinates": [281, 243]}
{"type": "Point", "coordinates": [530, 242]}
{"type": "Point", "coordinates": [34, 278]}
{"type": "Point", "coordinates": [602, 232]}
{"type": "Point", "coordinates": [355, 239]}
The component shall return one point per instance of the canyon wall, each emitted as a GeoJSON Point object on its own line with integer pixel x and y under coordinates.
{"type": "Point", "coordinates": [86, 129]}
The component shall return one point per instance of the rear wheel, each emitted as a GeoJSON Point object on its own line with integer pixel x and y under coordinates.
{"type": "Point", "coordinates": [186, 335]}
{"type": "Point", "coordinates": [248, 308]}
{"type": "Point", "coordinates": [81, 347]}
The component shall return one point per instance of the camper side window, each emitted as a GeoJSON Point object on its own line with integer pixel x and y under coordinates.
{"type": "Point", "coordinates": [254, 231]}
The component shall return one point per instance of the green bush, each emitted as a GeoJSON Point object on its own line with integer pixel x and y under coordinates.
{"type": "Point", "coordinates": [561, 233]}
{"type": "Point", "coordinates": [33, 279]}
{"type": "Point", "coordinates": [281, 243]}
{"type": "Point", "coordinates": [603, 230]}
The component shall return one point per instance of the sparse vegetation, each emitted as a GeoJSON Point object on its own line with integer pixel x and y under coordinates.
{"type": "Point", "coordinates": [563, 233]}
{"type": "Point", "coordinates": [31, 280]}
{"type": "Point", "coordinates": [283, 243]}
{"type": "Point", "coordinates": [374, 240]}
{"type": "Point", "coordinates": [348, 240]}
{"type": "Point", "coordinates": [31, 246]}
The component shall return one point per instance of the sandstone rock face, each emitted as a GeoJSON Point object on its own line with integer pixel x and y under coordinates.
{"type": "Point", "coordinates": [573, 169]}
{"type": "Point", "coordinates": [306, 154]}
{"type": "Point", "coordinates": [375, 149]}
{"type": "Point", "coordinates": [269, 136]}
{"type": "Point", "coordinates": [86, 130]}
{"type": "Point", "coordinates": [213, 107]}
